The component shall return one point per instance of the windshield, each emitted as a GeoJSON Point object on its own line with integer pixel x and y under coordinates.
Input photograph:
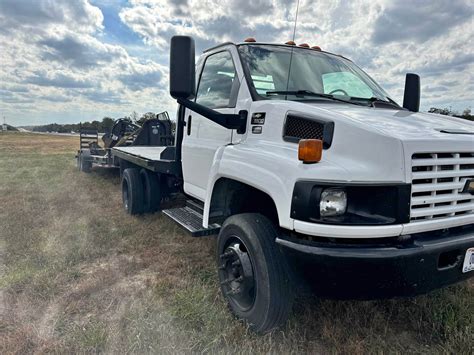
{"type": "Point", "coordinates": [311, 71]}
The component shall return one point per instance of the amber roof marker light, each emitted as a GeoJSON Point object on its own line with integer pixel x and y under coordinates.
{"type": "Point", "coordinates": [250, 40]}
{"type": "Point", "coordinates": [304, 45]}
{"type": "Point", "coordinates": [290, 43]}
{"type": "Point", "coordinates": [316, 48]}
{"type": "Point", "coordinates": [310, 150]}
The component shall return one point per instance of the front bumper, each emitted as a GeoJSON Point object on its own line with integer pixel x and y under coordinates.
{"type": "Point", "coordinates": [387, 267]}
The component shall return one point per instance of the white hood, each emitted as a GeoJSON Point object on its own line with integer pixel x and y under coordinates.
{"type": "Point", "coordinates": [406, 125]}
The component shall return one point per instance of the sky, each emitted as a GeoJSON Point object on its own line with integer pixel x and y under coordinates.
{"type": "Point", "coordinates": [67, 61]}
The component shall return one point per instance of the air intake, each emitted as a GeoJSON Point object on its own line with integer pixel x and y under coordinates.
{"type": "Point", "coordinates": [298, 127]}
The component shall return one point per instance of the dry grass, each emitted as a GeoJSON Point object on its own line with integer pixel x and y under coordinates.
{"type": "Point", "coordinates": [78, 275]}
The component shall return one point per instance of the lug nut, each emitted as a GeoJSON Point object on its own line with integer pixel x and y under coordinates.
{"type": "Point", "coordinates": [236, 263]}
{"type": "Point", "coordinates": [233, 292]}
{"type": "Point", "coordinates": [227, 254]}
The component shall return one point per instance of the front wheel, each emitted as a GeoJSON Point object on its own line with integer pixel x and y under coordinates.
{"type": "Point", "coordinates": [253, 272]}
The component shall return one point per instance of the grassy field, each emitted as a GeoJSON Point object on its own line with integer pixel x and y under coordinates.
{"type": "Point", "coordinates": [79, 275]}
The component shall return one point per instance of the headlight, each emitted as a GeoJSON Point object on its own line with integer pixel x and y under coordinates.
{"type": "Point", "coordinates": [333, 202]}
{"type": "Point", "coordinates": [351, 204]}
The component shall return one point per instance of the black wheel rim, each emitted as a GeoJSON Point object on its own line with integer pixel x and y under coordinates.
{"type": "Point", "coordinates": [237, 275]}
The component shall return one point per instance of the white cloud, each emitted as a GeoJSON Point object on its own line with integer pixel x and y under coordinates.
{"type": "Point", "coordinates": [39, 15]}
{"type": "Point", "coordinates": [56, 60]}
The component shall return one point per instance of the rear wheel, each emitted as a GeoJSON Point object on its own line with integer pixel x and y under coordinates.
{"type": "Point", "coordinates": [84, 162]}
{"type": "Point", "coordinates": [254, 276]}
{"type": "Point", "coordinates": [152, 194]}
{"type": "Point", "coordinates": [132, 192]}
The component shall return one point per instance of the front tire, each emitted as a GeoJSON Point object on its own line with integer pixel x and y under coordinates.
{"type": "Point", "coordinates": [253, 272]}
{"type": "Point", "coordinates": [132, 192]}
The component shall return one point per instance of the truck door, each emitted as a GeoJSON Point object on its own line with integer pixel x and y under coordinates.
{"type": "Point", "coordinates": [217, 89]}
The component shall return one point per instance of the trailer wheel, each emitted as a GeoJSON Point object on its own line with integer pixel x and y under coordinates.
{"type": "Point", "coordinates": [253, 272]}
{"type": "Point", "coordinates": [132, 192]}
{"type": "Point", "coordinates": [84, 162]}
{"type": "Point", "coordinates": [151, 191]}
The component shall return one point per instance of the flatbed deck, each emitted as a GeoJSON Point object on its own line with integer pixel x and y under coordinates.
{"type": "Point", "coordinates": [145, 152]}
{"type": "Point", "coordinates": [155, 158]}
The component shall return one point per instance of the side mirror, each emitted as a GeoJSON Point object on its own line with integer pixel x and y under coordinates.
{"type": "Point", "coordinates": [182, 68]}
{"type": "Point", "coordinates": [411, 97]}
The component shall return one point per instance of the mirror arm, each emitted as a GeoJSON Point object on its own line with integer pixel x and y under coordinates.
{"type": "Point", "coordinates": [230, 121]}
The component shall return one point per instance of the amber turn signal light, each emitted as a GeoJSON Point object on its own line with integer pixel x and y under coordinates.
{"type": "Point", "coordinates": [310, 150]}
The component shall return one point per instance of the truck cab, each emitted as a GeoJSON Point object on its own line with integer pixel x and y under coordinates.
{"type": "Point", "coordinates": [359, 117]}
{"type": "Point", "coordinates": [299, 160]}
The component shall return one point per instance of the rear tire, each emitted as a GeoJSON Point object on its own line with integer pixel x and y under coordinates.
{"type": "Point", "coordinates": [254, 275]}
{"type": "Point", "coordinates": [152, 194]}
{"type": "Point", "coordinates": [84, 162]}
{"type": "Point", "coordinates": [132, 192]}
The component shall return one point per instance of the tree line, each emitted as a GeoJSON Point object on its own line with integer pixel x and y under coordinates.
{"type": "Point", "coordinates": [102, 126]}
{"type": "Point", "coordinates": [466, 114]}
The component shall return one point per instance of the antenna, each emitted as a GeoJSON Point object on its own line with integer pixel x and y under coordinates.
{"type": "Point", "coordinates": [291, 54]}
{"type": "Point", "coordinates": [296, 18]}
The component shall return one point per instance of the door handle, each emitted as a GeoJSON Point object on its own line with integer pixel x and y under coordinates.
{"type": "Point", "coordinates": [188, 126]}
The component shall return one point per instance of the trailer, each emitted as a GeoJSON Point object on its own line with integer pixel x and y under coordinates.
{"type": "Point", "coordinates": [124, 133]}
{"type": "Point", "coordinates": [299, 161]}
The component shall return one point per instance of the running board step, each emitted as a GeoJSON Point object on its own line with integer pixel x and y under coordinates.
{"type": "Point", "coordinates": [197, 206]}
{"type": "Point", "coordinates": [191, 220]}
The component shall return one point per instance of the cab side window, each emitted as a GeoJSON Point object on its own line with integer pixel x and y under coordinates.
{"type": "Point", "coordinates": [215, 86]}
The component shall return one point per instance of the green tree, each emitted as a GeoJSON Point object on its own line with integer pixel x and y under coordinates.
{"type": "Point", "coordinates": [107, 123]}
{"type": "Point", "coordinates": [466, 114]}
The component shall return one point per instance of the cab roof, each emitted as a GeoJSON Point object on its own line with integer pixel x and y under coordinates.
{"type": "Point", "coordinates": [224, 44]}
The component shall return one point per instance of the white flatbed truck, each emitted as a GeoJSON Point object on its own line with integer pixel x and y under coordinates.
{"type": "Point", "coordinates": [295, 157]}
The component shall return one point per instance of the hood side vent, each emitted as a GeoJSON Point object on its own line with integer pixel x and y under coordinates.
{"type": "Point", "coordinates": [298, 127]}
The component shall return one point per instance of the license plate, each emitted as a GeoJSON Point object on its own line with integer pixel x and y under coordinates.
{"type": "Point", "coordinates": [468, 261]}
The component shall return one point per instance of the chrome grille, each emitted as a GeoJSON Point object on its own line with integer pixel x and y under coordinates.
{"type": "Point", "coordinates": [438, 180]}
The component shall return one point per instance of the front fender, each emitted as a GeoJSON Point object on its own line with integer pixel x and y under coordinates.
{"type": "Point", "coordinates": [272, 169]}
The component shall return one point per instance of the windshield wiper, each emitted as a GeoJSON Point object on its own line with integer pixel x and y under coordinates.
{"type": "Point", "coordinates": [303, 93]}
{"type": "Point", "coordinates": [374, 100]}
